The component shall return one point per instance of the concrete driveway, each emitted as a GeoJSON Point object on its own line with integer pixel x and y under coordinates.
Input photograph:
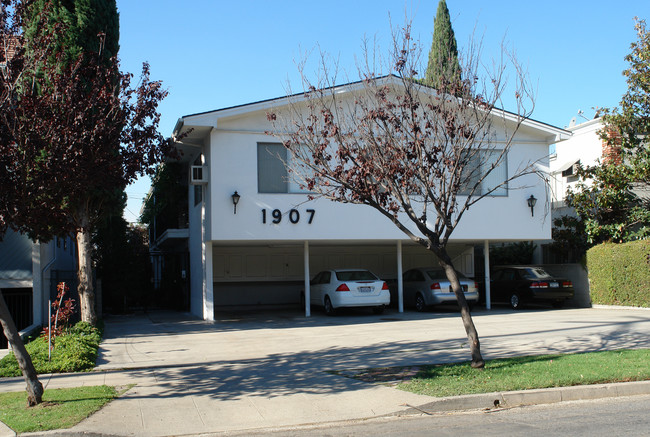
{"type": "Point", "coordinates": [270, 369]}
{"type": "Point", "coordinates": [361, 339]}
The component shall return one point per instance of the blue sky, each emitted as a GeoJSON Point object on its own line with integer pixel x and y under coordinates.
{"type": "Point", "coordinates": [213, 54]}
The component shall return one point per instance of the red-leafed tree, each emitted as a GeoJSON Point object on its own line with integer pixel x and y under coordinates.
{"type": "Point", "coordinates": [74, 130]}
{"type": "Point", "coordinates": [419, 156]}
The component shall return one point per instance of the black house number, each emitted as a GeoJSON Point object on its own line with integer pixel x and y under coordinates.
{"type": "Point", "coordinates": [294, 216]}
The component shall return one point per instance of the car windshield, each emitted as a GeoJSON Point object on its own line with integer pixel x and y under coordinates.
{"type": "Point", "coordinates": [536, 273]}
{"type": "Point", "coordinates": [440, 274]}
{"type": "Point", "coordinates": [355, 275]}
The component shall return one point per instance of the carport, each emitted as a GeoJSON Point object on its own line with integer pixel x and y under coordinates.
{"type": "Point", "coordinates": [273, 274]}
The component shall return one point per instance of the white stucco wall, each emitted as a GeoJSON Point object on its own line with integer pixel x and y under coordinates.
{"type": "Point", "coordinates": [584, 146]}
{"type": "Point", "coordinates": [494, 218]}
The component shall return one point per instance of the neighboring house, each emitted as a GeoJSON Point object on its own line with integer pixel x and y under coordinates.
{"type": "Point", "coordinates": [29, 273]}
{"type": "Point", "coordinates": [583, 148]}
{"type": "Point", "coordinates": [255, 238]}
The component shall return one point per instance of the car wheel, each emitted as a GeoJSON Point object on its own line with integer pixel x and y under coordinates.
{"type": "Point", "coordinates": [329, 309]}
{"type": "Point", "coordinates": [420, 304]}
{"type": "Point", "coordinates": [471, 305]}
{"type": "Point", "coordinates": [515, 301]}
{"type": "Point", "coordinates": [378, 310]}
{"type": "Point", "coordinates": [558, 304]}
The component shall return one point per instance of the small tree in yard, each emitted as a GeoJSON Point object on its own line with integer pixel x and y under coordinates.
{"type": "Point", "coordinates": [419, 156]}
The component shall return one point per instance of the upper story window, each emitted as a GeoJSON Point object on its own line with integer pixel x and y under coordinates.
{"type": "Point", "coordinates": [198, 189]}
{"type": "Point", "coordinates": [273, 159]}
{"type": "Point", "coordinates": [480, 165]}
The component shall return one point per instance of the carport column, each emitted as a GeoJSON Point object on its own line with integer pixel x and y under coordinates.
{"type": "Point", "coordinates": [486, 260]}
{"type": "Point", "coordinates": [208, 283]}
{"type": "Point", "coordinates": [307, 290]}
{"type": "Point", "coordinates": [400, 284]}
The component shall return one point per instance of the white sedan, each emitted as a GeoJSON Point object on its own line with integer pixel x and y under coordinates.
{"type": "Point", "coordinates": [333, 289]}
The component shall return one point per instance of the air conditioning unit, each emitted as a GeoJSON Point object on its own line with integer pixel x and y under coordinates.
{"type": "Point", "coordinates": [198, 174]}
{"type": "Point", "coordinates": [572, 170]}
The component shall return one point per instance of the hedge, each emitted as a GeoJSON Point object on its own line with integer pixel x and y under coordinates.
{"type": "Point", "coordinates": [619, 274]}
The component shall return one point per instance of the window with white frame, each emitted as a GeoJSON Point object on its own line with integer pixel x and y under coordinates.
{"type": "Point", "coordinates": [198, 189]}
{"type": "Point", "coordinates": [481, 165]}
{"type": "Point", "coordinates": [273, 176]}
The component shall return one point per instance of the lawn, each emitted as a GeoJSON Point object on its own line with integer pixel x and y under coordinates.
{"type": "Point", "coordinates": [532, 372]}
{"type": "Point", "coordinates": [61, 408]}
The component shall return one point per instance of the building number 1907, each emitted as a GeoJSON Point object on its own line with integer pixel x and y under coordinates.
{"type": "Point", "coordinates": [294, 216]}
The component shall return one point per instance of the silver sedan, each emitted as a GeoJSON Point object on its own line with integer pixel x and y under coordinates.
{"type": "Point", "coordinates": [426, 286]}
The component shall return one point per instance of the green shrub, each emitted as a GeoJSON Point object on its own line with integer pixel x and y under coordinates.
{"type": "Point", "coordinates": [619, 274]}
{"type": "Point", "coordinates": [74, 351]}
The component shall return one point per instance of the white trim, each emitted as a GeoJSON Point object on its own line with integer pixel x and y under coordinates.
{"type": "Point", "coordinates": [207, 118]}
{"type": "Point", "coordinates": [16, 283]}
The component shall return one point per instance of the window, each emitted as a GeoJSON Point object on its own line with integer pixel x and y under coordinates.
{"type": "Point", "coordinates": [413, 276]}
{"type": "Point", "coordinates": [272, 173]}
{"type": "Point", "coordinates": [479, 165]}
{"type": "Point", "coordinates": [272, 176]}
{"type": "Point", "coordinates": [356, 275]}
{"type": "Point", "coordinates": [198, 189]}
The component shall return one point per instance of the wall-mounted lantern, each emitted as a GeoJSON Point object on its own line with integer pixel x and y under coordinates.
{"type": "Point", "coordinates": [531, 203]}
{"type": "Point", "coordinates": [235, 200]}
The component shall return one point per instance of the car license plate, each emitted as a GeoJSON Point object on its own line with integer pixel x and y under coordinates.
{"type": "Point", "coordinates": [365, 289]}
{"type": "Point", "coordinates": [554, 285]}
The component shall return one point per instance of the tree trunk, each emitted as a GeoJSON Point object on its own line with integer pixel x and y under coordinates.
{"type": "Point", "coordinates": [85, 277]}
{"type": "Point", "coordinates": [34, 386]}
{"type": "Point", "coordinates": [466, 316]}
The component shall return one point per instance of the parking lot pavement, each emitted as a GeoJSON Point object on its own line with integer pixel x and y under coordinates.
{"type": "Point", "coordinates": [252, 370]}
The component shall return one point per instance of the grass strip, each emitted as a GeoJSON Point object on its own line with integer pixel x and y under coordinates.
{"type": "Point", "coordinates": [531, 372]}
{"type": "Point", "coordinates": [61, 408]}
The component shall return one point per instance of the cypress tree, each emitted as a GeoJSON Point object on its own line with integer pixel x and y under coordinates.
{"type": "Point", "coordinates": [84, 19]}
{"type": "Point", "coordinates": [443, 68]}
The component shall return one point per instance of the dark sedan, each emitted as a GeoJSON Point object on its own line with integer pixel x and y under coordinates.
{"type": "Point", "coordinates": [521, 284]}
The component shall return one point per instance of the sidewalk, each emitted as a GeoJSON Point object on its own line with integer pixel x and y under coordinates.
{"type": "Point", "coordinates": [261, 371]}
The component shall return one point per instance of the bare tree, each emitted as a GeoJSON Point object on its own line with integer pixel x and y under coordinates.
{"type": "Point", "coordinates": [34, 386]}
{"type": "Point", "coordinates": [420, 156]}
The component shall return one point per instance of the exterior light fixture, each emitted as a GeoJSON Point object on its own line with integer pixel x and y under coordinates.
{"type": "Point", "coordinates": [531, 202]}
{"type": "Point", "coordinates": [235, 200]}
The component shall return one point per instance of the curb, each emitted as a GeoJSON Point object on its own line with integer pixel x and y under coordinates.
{"type": "Point", "coordinates": [618, 307]}
{"type": "Point", "coordinates": [485, 401]}
{"type": "Point", "coordinates": [491, 401]}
